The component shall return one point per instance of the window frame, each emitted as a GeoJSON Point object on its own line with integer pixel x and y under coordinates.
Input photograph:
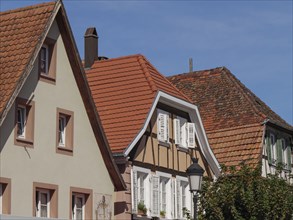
{"type": "Point", "coordinates": [273, 148]}
{"type": "Point", "coordinates": [5, 195]}
{"type": "Point", "coordinates": [67, 147]}
{"type": "Point", "coordinates": [22, 109]}
{"type": "Point", "coordinates": [134, 173]}
{"type": "Point", "coordinates": [184, 135]}
{"type": "Point", "coordinates": [88, 202]}
{"type": "Point", "coordinates": [27, 139]}
{"type": "Point", "coordinates": [74, 204]}
{"type": "Point", "coordinates": [168, 179]}
{"type": "Point", "coordinates": [188, 196]}
{"type": "Point", "coordinates": [52, 191]}
{"type": "Point", "coordinates": [39, 202]}
{"type": "Point", "coordinates": [49, 75]}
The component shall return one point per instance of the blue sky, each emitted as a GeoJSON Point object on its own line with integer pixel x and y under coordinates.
{"type": "Point", "coordinates": [253, 39]}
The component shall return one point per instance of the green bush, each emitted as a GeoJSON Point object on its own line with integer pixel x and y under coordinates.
{"type": "Point", "coordinates": [244, 194]}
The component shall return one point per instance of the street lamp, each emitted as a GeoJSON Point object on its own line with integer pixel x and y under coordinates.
{"type": "Point", "coordinates": [195, 173]}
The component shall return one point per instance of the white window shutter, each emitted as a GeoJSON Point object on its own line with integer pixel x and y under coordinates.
{"type": "Point", "coordinates": [167, 128]}
{"type": "Point", "coordinates": [178, 199]}
{"type": "Point", "coordinates": [161, 124]}
{"type": "Point", "coordinates": [190, 135]}
{"type": "Point", "coordinates": [173, 198]}
{"type": "Point", "coordinates": [177, 132]}
{"type": "Point", "coordinates": [134, 192]}
{"type": "Point", "coordinates": [155, 195]}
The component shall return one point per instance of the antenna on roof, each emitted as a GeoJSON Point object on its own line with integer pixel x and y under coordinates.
{"type": "Point", "coordinates": [190, 65]}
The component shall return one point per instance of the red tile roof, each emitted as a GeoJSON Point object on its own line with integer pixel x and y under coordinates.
{"type": "Point", "coordinates": [227, 107]}
{"type": "Point", "coordinates": [124, 89]}
{"type": "Point", "coordinates": [20, 30]}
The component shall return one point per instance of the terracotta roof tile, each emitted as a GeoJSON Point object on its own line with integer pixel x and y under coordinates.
{"type": "Point", "coordinates": [20, 30]}
{"type": "Point", "coordinates": [232, 115]}
{"type": "Point", "coordinates": [123, 90]}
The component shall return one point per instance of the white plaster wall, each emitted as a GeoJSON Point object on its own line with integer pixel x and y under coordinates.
{"type": "Point", "coordinates": [85, 169]}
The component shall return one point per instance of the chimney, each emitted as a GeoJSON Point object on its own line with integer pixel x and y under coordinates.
{"type": "Point", "coordinates": [190, 65]}
{"type": "Point", "coordinates": [90, 47]}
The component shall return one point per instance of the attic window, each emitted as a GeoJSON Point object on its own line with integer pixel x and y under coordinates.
{"type": "Point", "coordinates": [47, 61]}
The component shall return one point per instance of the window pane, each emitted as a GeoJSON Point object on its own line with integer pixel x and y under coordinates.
{"type": "Point", "coordinates": [44, 211]}
{"type": "Point", "coordinates": [78, 214]}
{"type": "Point", "coordinates": [20, 121]}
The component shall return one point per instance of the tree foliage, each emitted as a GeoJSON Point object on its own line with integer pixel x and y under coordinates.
{"type": "Point", "coordinates": [244, 194]}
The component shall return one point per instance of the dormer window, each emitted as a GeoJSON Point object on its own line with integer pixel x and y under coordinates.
{"type": "Point", "coordinates": [184, 133]}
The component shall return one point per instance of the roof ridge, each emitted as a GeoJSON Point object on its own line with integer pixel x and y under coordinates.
{"type": "Point", "coordinates": [194, 73]}
{"type": "Point", "coordinates": [26, 8]}
{"type": "Point", "coordinates": [141, 61]}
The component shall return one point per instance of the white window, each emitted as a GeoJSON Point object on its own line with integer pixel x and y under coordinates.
{"type": "Point", "coordinates": [21, 121]}
{"type": "Point", "coordinates": [163, 194]}
{"type": "Point", "coordinates": [273, 148]}
{"type": "Point", "coordinates": [42, 203]}
{"type": "Point", "coordinates": [184, 132]}
{"type": "Point", "coordinates": [1, 198]}
{"type": "Point", "coordinates": [62, 130]}
{"type": "Point", "coordinates": [78, 205]}
{"type": "Point", "coordinates": [140, 187]}
{"type": "Point", "coordinates": [163, 126]}
{"type": "Point", "coordinates": [183, 196]}
{"type": "Point", "coordinates": [44, 59]}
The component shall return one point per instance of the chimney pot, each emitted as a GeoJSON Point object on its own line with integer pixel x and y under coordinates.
{"type": "Point", "coordinates": [90, 47]}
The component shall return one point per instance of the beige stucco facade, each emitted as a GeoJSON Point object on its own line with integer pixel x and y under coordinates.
{"type": "Point", "coordinates": [25, 166]}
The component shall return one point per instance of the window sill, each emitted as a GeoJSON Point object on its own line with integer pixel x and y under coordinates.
{"type": "Point", "coordinates": [181, 148]}
{"type": "Point", "coordinates": [64, 150]}
{"type": "Point", "coordinates": [24, 142]}
{"type": "Point", "coordinates": [165, 144]}
{"type": "Point", "coordinates": [47, 79]}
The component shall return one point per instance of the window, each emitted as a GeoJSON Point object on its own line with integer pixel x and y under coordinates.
{"type": "Point", "coordinates": [273, 149]}
{"type": "Point", "coordinates": [163, 126]}
{"type": "Point", "coordinates": [286, 151]}
{"type": "Point", "coordinates": [78, 206]}
{"type": "Point", "coordinates": [62, 126]}
{"type": "Point", "coordinates": [42, 203]}
{"type": "Point", "coordinates": [47, 61]}
{"type": "Point", "coordinates": [163, 194]}
{"type": "Point", "coordinates": [21, 119]}
{"type": "Point", "coordinates": [183, 196]}
{"type": "Point", "coordinates": [5, 195]}
{"type": "Point", "coordinates": [140, 188]}
{"type": "Point", "coordinates": [24, 122]}
{"type": "Point", "coordinates": [64, 132]}
{"type": "Point", "coordinates": [184, 132]}
{"type": "Point", "coordinates": [81, 203]}
{"type": "Point", "coordinates": [45, 200]}
{"type": "Point", "coordinates": [44, 59]}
